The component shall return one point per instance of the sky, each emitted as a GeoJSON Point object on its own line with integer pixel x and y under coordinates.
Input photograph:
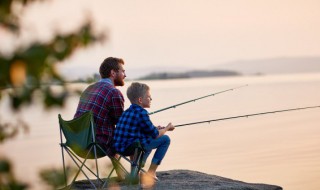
{"type": "Point", "coordinates": [178, 35]}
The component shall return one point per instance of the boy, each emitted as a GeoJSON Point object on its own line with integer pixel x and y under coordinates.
{"type": "Point", "coordinates": [135, 125]}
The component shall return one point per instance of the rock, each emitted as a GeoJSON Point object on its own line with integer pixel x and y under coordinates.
{"type": "Point", "coordinates": [186, 179]}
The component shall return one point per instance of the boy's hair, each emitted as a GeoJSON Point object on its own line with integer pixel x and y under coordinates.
{"type": "Point", "coordinates": [136, 90]}
{"type": "Point", "coordinates": [110, 63]}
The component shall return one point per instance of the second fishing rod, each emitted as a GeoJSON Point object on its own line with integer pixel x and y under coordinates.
{"type": "Point", "coordinates": [193, 100]}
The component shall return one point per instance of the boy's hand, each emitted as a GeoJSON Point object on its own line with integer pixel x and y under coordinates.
{"type": "Point", "coordinates": [160, 127]}
{"type": "Point", "coordinates": [170, 127]}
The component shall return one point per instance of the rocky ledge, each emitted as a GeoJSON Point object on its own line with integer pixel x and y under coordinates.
{"type": "Point", "coordinates": [186, 179]}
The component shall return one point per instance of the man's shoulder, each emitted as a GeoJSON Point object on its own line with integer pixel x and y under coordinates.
{"type": "Point", "coordinates": [105, 87]}
{"type": "Point", "coordinates": [103, 84]}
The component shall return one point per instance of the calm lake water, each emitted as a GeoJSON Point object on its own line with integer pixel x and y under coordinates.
{"type": "Point", "coordinates": [281, 149]}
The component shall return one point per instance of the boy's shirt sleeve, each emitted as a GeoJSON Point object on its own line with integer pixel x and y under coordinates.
{"type": "Point", "coordinates": [147, 125]}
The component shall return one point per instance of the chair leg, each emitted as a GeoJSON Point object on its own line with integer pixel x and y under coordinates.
{"type": "Point", "coordinates": [80, 169]}
{"type": "Point", "coordinates": [136, 165]}
{"type": "Point", "coordinates": [116, 163]}
{"type": "Point", "coordinates": [64, 167]}
{"type": "Point", "coordinates": [84, 164]}
{"type": "Point", "coordinates": [97, 167]}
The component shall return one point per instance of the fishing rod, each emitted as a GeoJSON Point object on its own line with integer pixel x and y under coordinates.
{"type": "Point", "coordinates": [193, 100]}
{"type": "Point", "coordinates": [248, 115]}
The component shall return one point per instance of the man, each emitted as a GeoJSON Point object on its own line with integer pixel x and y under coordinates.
{"type": "Point", "coordinates": [106, 102]}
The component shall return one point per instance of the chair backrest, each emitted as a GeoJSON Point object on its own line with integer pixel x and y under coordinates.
{"type": "Point", "coordinates": [79, 134]}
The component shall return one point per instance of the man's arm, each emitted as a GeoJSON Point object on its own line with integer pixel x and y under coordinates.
{"type": "Point", "coordinates": [117, 104]}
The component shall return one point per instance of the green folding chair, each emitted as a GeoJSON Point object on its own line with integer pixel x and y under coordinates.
{"type": "Point", "coordinates": [80, 144]}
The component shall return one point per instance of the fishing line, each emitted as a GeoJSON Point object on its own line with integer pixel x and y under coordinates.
{"type": "Point", "coordinates": [248, 115]}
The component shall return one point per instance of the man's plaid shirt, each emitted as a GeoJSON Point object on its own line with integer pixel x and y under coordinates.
{"type": "Point", "coordinates": [107, 104]}
{"type": "Point", "coordinates": [134, 124]}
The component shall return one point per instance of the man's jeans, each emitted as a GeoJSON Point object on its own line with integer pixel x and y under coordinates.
{"type": "Point", "coordinates": [161, 145]}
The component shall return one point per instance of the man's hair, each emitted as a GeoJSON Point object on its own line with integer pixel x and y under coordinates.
{"type": "Point", "coordinates": [110, 63]}
{"type": "Point", "coordinates": [136, 90]}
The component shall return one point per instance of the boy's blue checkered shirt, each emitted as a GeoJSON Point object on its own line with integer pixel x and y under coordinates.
{"type": "Point", "coordinates": [134, 124]}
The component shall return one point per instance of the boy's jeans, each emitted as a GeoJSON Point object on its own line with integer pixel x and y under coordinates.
{"type": "Point", "coordinates": [161, 145]}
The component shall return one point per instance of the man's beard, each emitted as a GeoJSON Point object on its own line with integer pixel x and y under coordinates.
{"type": "Point", "coordinates": [118, 81]}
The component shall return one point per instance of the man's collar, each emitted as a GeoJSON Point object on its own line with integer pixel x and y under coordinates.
{"type": "Point", "coordinates": [107, 80]}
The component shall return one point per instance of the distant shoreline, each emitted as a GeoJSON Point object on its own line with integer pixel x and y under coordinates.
{"type": "Point", "coordinates": [189, 74]}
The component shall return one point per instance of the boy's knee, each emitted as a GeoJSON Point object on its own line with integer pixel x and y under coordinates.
{"type": "Point", "coordinates": [167, 139]}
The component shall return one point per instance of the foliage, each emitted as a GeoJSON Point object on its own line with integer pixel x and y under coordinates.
{"type": "Point", "coordinates": [29, 70]}
{"type": "Point", "coordinates": [7, 179]}
{"type": "Point", "coordinates": [8, 131]}
{"type": "Point", "coordinates": [32, 68]}
{"type": "Point", "coordinates": [55, 177]}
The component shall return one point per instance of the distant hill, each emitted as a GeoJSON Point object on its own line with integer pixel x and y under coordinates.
{"type": "Point", "coordinates": [189, 74]}
{"type": "Point", "coordinates": [273, 66]}
{"type": "Point", "coordinates": [234, 68]}
{"type": "Point", "coordinates": [247, 67]}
